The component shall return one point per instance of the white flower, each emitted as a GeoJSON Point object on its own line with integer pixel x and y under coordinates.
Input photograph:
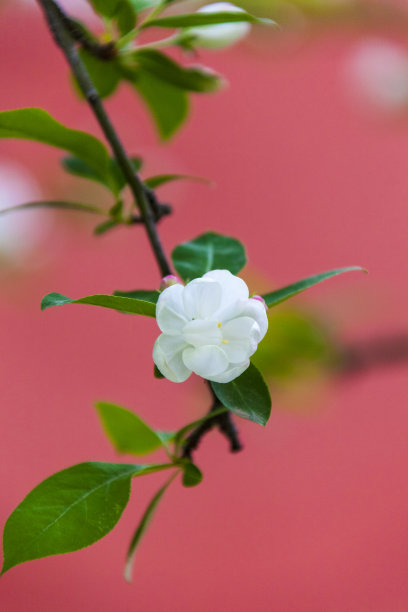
{"type": "Point", "coordinates": [222, 34]}
{"type": "Point", "coordinates": [210, 327]}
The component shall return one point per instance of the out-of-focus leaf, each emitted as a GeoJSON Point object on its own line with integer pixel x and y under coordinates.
{"type": "Point", "coordinates": [142, 527]}
{"type": "Point", "coordinates": [192, 476]}
{"type": "Point", "coordinates": [125, 17]}
{"type": "Point", "coordinates": [204, 19]}
{"type": "Point", "coordinates": [107, 8]}
{"type": "Point", "coordinates": [297, 344]}
{"type": "Point", "coordinates": [105, 74]}
{"type": "Point", "coordinates": [106, 226]}
{"type": "Point", "coordinates": [127, 432]}
{"type": "Point", "coordinates": [141, 5]}
{"type": "Point", "coordinates": [207, 252]}
{"type": "Point", "coordinates": [167, 104]}
{"type": "Point", "coordinates": [69, 510]}
{"type": "Point", "coordinates": [114, 180]}
{"type": "Point", "coordinates": [280, 295]}
{"type": "Point", "coordinates": [161, 179]}
{"type": "Point", "coordinates": [58, 204]}
{"type": "Point", "coordinates": [37, 124]}
{"type": "Point", "coordinates": [247, 396]}
{"type": "Point", "coordinates": [122, 304]}
{"type": "Point", "coordinates": [194, 78]}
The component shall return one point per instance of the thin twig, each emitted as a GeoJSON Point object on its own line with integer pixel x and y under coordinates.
{"type": "Point", "coordinates": [224, 423]}
{"type": "Point", "coordinates": [64, 40]}
{"type": "Point", "coordinates": [65, 34]}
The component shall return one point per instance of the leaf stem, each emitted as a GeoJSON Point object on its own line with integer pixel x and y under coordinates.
{"type": "Point", "coordinates": [64, 39]}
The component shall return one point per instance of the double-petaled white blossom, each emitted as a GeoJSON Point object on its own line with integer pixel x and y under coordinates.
{"type": "Point", "coordinates": [210, 327]}
{"type": "Point", "coordinates": [221, 34]}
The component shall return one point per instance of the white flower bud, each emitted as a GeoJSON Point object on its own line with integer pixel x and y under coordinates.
{"type": "Point", "coordinates": [210, 327]}
{"type": "Point", "coordinates": [168, 281]}
{"type": "Point", "coordinates": [218, 35]}
{"type": "Point", "coordinates": [260, 299]}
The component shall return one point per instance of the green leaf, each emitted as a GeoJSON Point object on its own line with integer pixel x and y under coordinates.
{"type": "Point", "coordinates": [140, 294]}
{"type": "Point", "coordinates": [204, 19]}
{"type": "Point", "coordinates": [114, 180]}
{"type": "Point", "coordinates": [107, 8]}
{"type": "Point", "coordinates": [195, 78]}
{"type": "Point", "coordinates": [122, 304]}
{"type": "Point", "coordinates": [160, 179]}
{"type": "Point", "coordinates": [280, 295]}
{"type": "Point", "coordinates": [58, 204]}
{"type": "Point", "coordinates": [69, 510]}
{"type": "Point", "coordinates": [192, 476]}
{"type": "Point", "coordinates": [207, 252]}
{"type": "Point", "coordinates": [142, 527]}
{"type": "Point", "coordinates": [156, 372]}
{"type": "Point", "coordinates": [125, 17]}
{"type": "Point", "coordinates": [247, 396]}
{"type": "Point", "coordinates": [127, 432]}
{"type": "Point", "coordinates": [106, 226]}
{"type": "Point", "coordinates": [37, 124]}
{"type": "Point", "coordinates": [167, 104]}
{"type": "Point", "coordinates": [141, 5]}
{"type": "Point", "coordinates": [104, 74]}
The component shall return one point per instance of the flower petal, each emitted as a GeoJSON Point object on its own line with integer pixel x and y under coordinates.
{"type": "Point", "coordinates": [231, 373]}
{"type": "Point", "coordinates": [167, 355]}
{"type": "Point", "coordinates": [256, 310]}
{"type": "Point", "coordinates": [202, 332]}
{"type": "Point", "coordinates": [170, 313]}
{"type": "Point", "coordinates": [241, 337]}
{"type": "Point", "coordinates": [206, 361]}
{"type": "Point", "coordinates": [233, 287]}
{"type": "Point", "coordinates": [201, 298]}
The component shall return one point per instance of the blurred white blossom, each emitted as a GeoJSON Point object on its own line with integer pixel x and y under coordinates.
{"type": "Point", "coordinates": [378, 72]}
{"type": "Point", "coordinates": [20, 232]}
{"type": "Point", "coordinates": [219, 35]}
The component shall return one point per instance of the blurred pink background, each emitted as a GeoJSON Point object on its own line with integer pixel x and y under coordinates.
{"type": "Point", "coordinates": [313, 514]}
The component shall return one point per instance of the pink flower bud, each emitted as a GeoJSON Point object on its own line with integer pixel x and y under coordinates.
{"type": "Point", "coordinates": [260, 299]}
{"type": "Point", "coordinates": [168, 281]}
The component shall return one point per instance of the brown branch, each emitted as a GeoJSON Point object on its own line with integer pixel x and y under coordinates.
{"type": "Point", "coordinates": [63, 38]}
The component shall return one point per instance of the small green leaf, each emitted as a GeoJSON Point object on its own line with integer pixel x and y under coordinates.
{"type": "Point", "coordinates": [58, 204]}
{"type": "Point", "coordinates": [105, 74]}
{"type": "Point", "coordinates": [247, 396]}
{"type": "Point", "coordinates": [204, 19]}
{"type": "Point", "coordinates": [127, 432]}
{"type": "Point", "coordinates": [280, 295]}
{"type": "Point", "coordinates": [37, 124]}
{"type": "Point", "coordinates": [141, 5]}
{"type": "Point", "coordinates": [195, 78]}
{"type": "Point", "coordinates": [167, 104]}
{"type": "Point", "coordinates": [160, 179]}
{"type": "Point", "coordinates": [114, 180]}
{"type": "Point", "coordinates": [156, 372]}
{"type": "Point", "coordinates": [207, 252]}
{"type": "Point", "coordinates": [106, 226]}
{"type": "Point", "coordinates": [140, 294]}
{"type": "Point", "coordinates": [122, 304]}
{"type": "Point", "coordinates": [107, 8]}
{"type": "Point", "coordinates": [125, 17]}
{"type": "Point", "coordinates": [69, 510]}
{"type": "Point", "coordinates": [192, 476]}
{"type": "Point", "coordinates": [142, 527]}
